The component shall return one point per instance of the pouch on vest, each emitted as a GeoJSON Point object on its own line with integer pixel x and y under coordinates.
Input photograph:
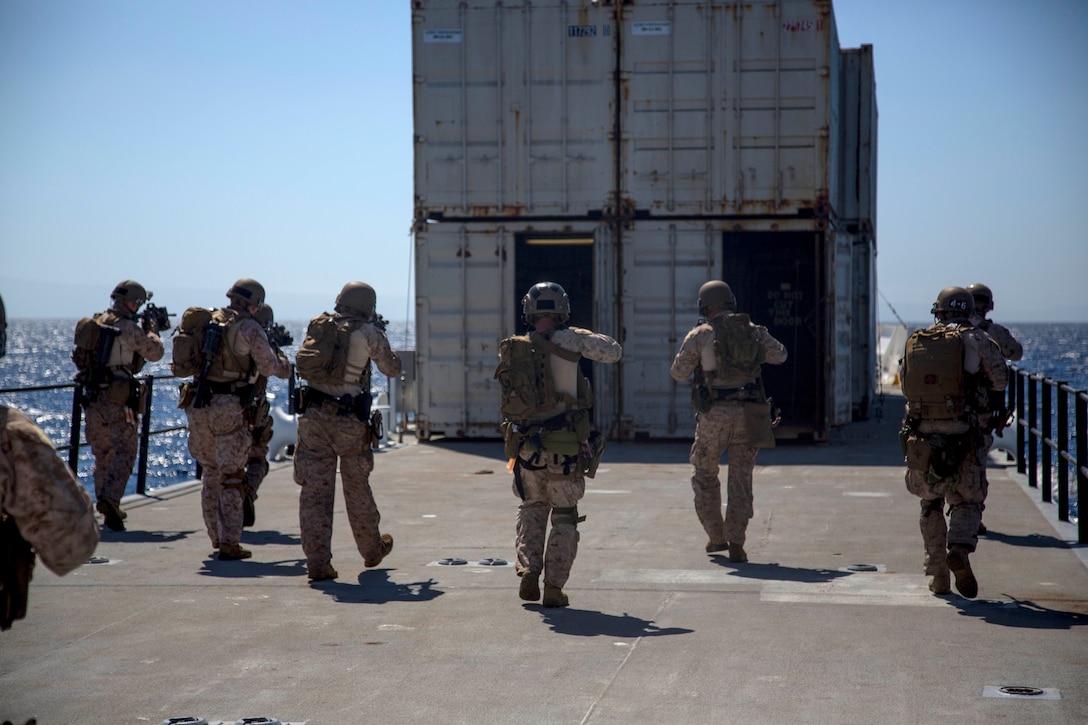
{"type": "Point", "coordinates": [758, 424]}
{"type": "Point", "coordinates": [933, 379]}
{"type": "Point", "coordinates": [93, 341]}
{"type": "Point", "coordinates": [525, 384]}
{"type": "Point", "coordinates": [323, 356]}
{"type": "Point", "coordinates": [186, 357]}
{"type": "Point", "coordinates": [917, 452]}
{"type": "Point", "coordinates": [738, 352]}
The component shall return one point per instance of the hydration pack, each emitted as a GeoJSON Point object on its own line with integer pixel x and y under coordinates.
{"type": "Point", "coordinates": [323, 356]}
{"type": "Point", "coordinates": [527, 388]}
{"type": "Point", "coordinates": [93, 340]}
{"type": "Point", "coordinates": [738, 352]}
{"type": "Point", "coordinates": [933, 379]}
{"type": "Point", "coordinates": [186, 358]}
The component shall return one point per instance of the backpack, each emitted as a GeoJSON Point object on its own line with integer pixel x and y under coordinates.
{"type": "Point", "coordinates": [93, 343]}
{"type": "Point", "coordinates": [323, 356]}
{"type": "Point", "coordinates": [738, 352]}
{"type": "Point", "coordinates": [526, 386]}
{"type": "Point", "coordinates": [186, 358]}
{"type": "Point", "coordinates": [932, 378]}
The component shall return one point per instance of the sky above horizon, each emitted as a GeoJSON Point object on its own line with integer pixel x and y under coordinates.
{"type": "Point", "coordinates": [186, 144]}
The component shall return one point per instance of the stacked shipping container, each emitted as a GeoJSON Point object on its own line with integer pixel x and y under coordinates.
{"type": "Point", "coordinates": [632, 151]}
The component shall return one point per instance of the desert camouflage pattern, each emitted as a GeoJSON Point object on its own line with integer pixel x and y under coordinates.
{"type": "Point", "coordinates": [260, 426]}
{"type": "Point", "coordinates": [112, 429]}
{"type": "Point", "coordinates": [220, 438]}
{"type": "Point", "coordinates": [325, 438]}
{"type": "Point", "coordinates": [113, 434]}
{"type": "Point", "coordinates": [1010, 347]}
{"type": "Point", "coordinates": [722, 430]}
{"type": "Point", "coordinates": [558, 485]}
{"type": "Point", "coordinates": [967, 499]}
{"type": "Point", "coordinates": [965, 503]}
{"type": "Point", "coordinates": [37, 489]}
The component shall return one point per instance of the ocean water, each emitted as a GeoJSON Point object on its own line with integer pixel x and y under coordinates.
{"type": "Point", "coordinates": [38, 355]}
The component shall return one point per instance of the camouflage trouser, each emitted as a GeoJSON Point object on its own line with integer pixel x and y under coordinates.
{"type": "Point", "coordinates": [220, 440]}
{"type": "Point", "coordinates": [719, 430]}
{"type": "Point", "coordinates": [966, 503]}
{"type": "Point", "coordinates": [257, 463]}
{"type": "Point", "coordinates": [559, 485]}
{"type": "Point", "coordinates": [113, 440]}
{"type": "Point", "coordinates": [323, 437]}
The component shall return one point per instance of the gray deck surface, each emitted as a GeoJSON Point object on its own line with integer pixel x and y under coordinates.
{"type": "Point", "coordinates": [830, 622]}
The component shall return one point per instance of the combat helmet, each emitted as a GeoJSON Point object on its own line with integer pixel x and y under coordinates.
{"type": "Point", "coordinates": [130, 291]}
{"type": "Point", "coordinates": [247, 292]}
{"type": "Point", "coordinates": [264, 315]}
{"type": "Point", "coordinates": [983, 296]}
{"type": "Point", "coordinates": [716, 295]}
{"type": "Point", "coordinates": [545, 298]}
{"type": "Point", "coordinates": [357, 298]}
{"type": "Point", "coordinates": [953, 303]}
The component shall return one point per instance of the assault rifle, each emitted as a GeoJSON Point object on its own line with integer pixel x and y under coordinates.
{"type": "Point", "coordinates": [380, 322]}
{"type": "Point", "coordinates": [213, 338]}
{"type": "Point", "coordinates": [278, 336]}
{"type": "Point", "coordinates": [156, 314]}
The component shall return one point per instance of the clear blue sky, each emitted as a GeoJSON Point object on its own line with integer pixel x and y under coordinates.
{"type": "Point", "coordinates": [188, 143]}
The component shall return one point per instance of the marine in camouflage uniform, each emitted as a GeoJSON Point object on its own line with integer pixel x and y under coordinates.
{"type": "Point", "coordinates": [1010, 348]}
{"type": "Point", "coordinates": [948, 543]}
{"type": "Point", "coordinates": [724, 427]}
{"type": "Point", "coordinates": [259, 420]}
{"type": "Point", "coordinates": [50, 510]}
{"type": "Point", "coordinates": [219, 435]}
{"type": "Point", "coordinates": [111, 411]}
{"type": "Point", "coordinates": [548, 477]}
{"type": "Point", "coordinates": [335, 426]}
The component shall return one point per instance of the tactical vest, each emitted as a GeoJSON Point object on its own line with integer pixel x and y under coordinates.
{"type": "Point", "coordinates": [227, 365]}
{"type": "Point", "coordinates": [738, 353]}
{"type": "Point", "coordinates": [933, 379]}
{"type": "Point", "coordinates": [323, 356]}
{"type": "Point", "coordinates": [97, 350]}
{"type": "Point", "coordinates": [526, 385]}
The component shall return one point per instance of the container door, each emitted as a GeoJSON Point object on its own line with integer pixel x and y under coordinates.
{"type": "Point", "coordinates": [778, 280]}
{"type": "Point", "coordinates": [842, 330]}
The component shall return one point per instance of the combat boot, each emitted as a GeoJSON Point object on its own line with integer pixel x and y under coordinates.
{"type": "Point", "coordinates": [554, 597]}
{"type": "Point", "coordinates": [966, 584]}
{"type": "Point", "coordinates": [115, 520]}
{"type": "Point", "coordinates": [530, 586]}
{"type": "Point", "coordinates": [387, 546]}
{"type": "Point", "coordinates": [233, 552]}
{"type": "Point", "coordinates": [737, 555]}
{"type": "Point", "coordinates": [325, 572]}
{"type": "Point", "coordinates": [711, 547]}
{"type": "Point", "coordinates": [941, 583]}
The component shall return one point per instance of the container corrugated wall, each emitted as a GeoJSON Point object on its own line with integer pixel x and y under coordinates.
{"type": "Point", "coordinates": [631, 151]}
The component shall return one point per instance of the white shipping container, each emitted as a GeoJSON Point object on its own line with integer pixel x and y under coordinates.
{"type": "Point", "coordinates": [723, 108]}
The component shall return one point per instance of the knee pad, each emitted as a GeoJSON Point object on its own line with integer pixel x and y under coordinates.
{"type": "Point", "coordinates": [932, 507]}
{"type": "Point", "coordinates": [566, 516]}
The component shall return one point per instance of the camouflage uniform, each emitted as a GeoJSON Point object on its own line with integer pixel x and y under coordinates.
{"type": "Point", "coordinates": [260, 426]}
{"type": "Point", "coordinates": [551, 482]}
{"type": "Point", "coordinates": [964, 493]}
{"type": "Point", "coordinates": [219, 436]}
{"type": "Point", "coordinates": [51, 510]}
{"type": "Point", "coordinates": [721, 429]}
{"type": "Point", "coordinates": [112, 427]}
{"type": "Point", "coordinates": [327, 434]}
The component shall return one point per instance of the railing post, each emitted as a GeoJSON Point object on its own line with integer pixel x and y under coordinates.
{"type": "Point", "coordinates": [1033, 440]}
{"type": "Point", "coordinates": [1063, 452]}
{"type": "Point", "coordinates": [1046, 440]}
{"type": "Point", "coordinates": [145, 436]}
{"type": "Point", "coordinates": [1081, 403]}
{"type": "Point", "coordinates": [1021, 423]}
{"type": "Point", "coordinates": [77, 424]}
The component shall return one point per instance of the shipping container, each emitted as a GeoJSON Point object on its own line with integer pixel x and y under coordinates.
{"type": "Point", "coordinates": [631, 151]}
{"type": "Point", "coordinates": [647, 108]}
{"type": "Point", "coordinates": [639, 285]}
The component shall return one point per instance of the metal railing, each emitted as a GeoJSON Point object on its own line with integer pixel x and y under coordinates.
{"type": "Point", "coordinates": [1042, 405]}
{"type": "Point", "coordinates": [74, 443]}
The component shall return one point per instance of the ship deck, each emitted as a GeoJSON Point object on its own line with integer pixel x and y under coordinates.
{"type": "Point", "coordinates": [830, 622]}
